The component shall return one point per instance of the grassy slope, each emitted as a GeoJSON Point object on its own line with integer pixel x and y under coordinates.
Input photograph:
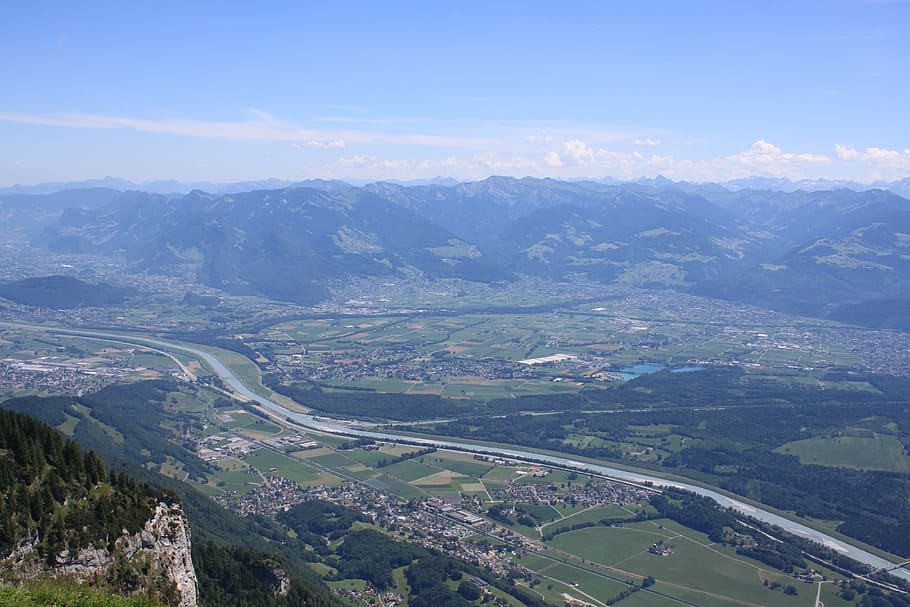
{"type": "Point", "coordinates": [61, 594]}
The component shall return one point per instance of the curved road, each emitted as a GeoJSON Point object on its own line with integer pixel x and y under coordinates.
{"type": "Point", "coordinates": [308, 421]}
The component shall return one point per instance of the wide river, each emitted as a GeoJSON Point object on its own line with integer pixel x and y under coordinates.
{"type": "Point", "coordinates": [308, 421]}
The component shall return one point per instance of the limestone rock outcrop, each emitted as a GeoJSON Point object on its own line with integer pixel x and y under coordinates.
{"type": "Point", "coordinates": [157, 557]}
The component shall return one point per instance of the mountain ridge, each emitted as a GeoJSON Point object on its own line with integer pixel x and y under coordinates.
{"type": "Point", "coordinates": [170, 186]}
{"type": "Point", "coordinates": [292, 244]}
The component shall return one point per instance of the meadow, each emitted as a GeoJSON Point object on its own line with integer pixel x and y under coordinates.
{"type": "Point", "coordinates": [697, 567]}
{"type": "Point", "coordinates": [852, 448]}
{"type": "Point", "coordinates": [268, 462]}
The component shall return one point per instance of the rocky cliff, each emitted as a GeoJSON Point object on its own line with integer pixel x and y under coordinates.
{"type": "Point", "coordinates": [156, 560]}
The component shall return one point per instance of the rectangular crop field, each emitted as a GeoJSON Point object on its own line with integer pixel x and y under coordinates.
{"type": "Point", "coordinates": [264, 460]}
{"type": "Point", "coordinates": [579, 579]}
{"type": "Point", "coordinates": [410, 470]}
{"type": "Point", "coordinates": [592, 515]}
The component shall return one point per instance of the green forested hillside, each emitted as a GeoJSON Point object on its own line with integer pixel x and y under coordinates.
{"type": "Point", "coordinates": [50, 488]}
{"type": "Point", "coordinates": [62, 500]}
{"type": "Point", "coordinates": [62, 292]}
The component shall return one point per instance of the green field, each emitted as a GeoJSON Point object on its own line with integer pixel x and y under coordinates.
{"type": "Point", "coordinates": [333, 460]}
{"type": "Point", "coordinates": [590, 515]}
{"type": "Point", "coordinates": [69, 426]}
{"type": "Point", "coordinates": [410, 470]}
{"type": "Point", "coordinates": [607, 545]}
{"type": "Point", "coordinates": [233, 475]}
{"type": "Point", "coordinates": [329, 440]}
{"type": "Point", "coordinates": [696, 563]}
{"type": "Point", "coordinates": [853, 448]}
{"type": "Point", "coordinates": [576, 581]}
{"type": "Point", "coordinates": [462, 464]}
{"type": "Point", "coordinates": [499, 474]}
{"type": "Point", "coordinates": [541, 512]}
{"type": "Point", "coordinates": [196, 401]}
{"type": "Point", "coordinates": [265, 460]}
{"type": "Point", "coordinates": [387, 483]}
{"type": "Point", "coordinates": [367, 457]}
{"type": "Point", "coordinates": [236, 418]}
{"type": "Point", "coordinates": [240, 420]}
{"type": "Point", "coordinates": [472, 336]}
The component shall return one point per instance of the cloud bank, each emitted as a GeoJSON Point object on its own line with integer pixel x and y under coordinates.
{"type": "Point", "coordinates": [411, 149]}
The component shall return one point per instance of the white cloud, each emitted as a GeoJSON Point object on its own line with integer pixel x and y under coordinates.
{"type": "Point", "coordinates": [511, 165]}
{"type": "Point", "coordinates": [261, 115]}
{"type": "Point", "coordinates": [477, 166]}
{"type": "Point", "coordinates": [878, 163]}
{"type": "Point", "coordinates": [553, 160]}
{"type": "Point", "coordinates": [355, 161]}
{"type": "Point", "coordinates": [577, 152]}
{"type": "Point", "coordinates": [579, 158]}
{"type": "Point", "coordinates": [539, 139]}
{"type": "Point", "coordinates": [261, 127]}
{"type": "Point", "coordinates": [888, 164]}
{"type": "Point", "coordinates": [882, 155]}
{"type": "Point", "coordinates": [333, 143]}
{"type": "Point", "coordinates": [845, 152]}
{"type": "Point", "coordinates": [415, 148]}
{"type": "Point", "coordinates": [764, 156]}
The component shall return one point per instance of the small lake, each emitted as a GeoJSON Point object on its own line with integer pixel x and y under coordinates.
{"type": "Point", "coordinates": [638, 370]}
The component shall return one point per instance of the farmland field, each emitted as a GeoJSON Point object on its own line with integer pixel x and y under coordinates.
{"type": "Point", "coordinates": [590, 515]}
{"type": "Point", "coordinates": [608, 545]}
{"type": "Point", "coordinates": [853, 448]}
{"type": "Point", "coordinates": [577, 580]}
{"type": "Point", "coordinates": [265, 461]}
{"type": "Point", "coordinates": [695, 562]}
{"type": "Point", "coordinates": [696, 570]}
{"type": "Point", "coordinates": [410, 470]}
{"type": "Point", "coordinates": [461, 463]}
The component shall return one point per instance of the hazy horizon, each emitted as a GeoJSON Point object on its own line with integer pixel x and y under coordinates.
{"type": "Point", "coordinates": [365, 92]}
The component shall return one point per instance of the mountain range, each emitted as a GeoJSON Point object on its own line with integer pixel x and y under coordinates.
{"type": "Point", "coordinates": [172, 186]}
{"type": "Point", "coordinates": [840, 254]}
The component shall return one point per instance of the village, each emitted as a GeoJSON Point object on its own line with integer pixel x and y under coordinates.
{"type": "Point", "coordinates": [66, 373]}
{"type": "Point", "coordinates": [431, 523]}
{"type": "Point", "coordinates": [461, 529]}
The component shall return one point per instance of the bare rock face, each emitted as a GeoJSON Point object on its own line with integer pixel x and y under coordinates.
{"type": "Point", "coordinates": [282, 582]}
{"type": "Point", "coordinates": [166, 539]}
{"type": "Point", "coordinates": [157, 557]}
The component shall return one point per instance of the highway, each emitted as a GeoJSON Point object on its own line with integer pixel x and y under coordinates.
{"type": "Point", "coordinates": [323, 425]}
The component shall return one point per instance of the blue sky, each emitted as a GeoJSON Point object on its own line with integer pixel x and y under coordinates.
{"type": "Point", "coordinates": [403, 90]}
